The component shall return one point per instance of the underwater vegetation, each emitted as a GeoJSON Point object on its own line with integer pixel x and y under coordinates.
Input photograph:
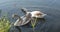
{"type": "Point", "coordinates": [33, 24]}
{"type": "Point", "coordinates": [4, 24]}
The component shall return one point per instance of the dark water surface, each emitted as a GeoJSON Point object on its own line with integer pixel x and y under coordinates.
{"type": "Point", "coordinates": [50, 7]}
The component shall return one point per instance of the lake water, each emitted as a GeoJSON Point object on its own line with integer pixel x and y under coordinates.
{"type": "Point", "coordinates": [50, 7]}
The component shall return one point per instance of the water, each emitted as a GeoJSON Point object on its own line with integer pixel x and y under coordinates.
{"type": "Point", "coordinates": [50, 7]}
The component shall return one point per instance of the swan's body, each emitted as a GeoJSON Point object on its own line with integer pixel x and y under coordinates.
{"type": "Point", "coordinates": [38, 14]}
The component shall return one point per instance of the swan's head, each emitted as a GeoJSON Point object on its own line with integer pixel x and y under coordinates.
{"type": "Point", "coordinates": [38, 14]}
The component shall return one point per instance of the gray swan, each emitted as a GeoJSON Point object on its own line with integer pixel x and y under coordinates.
{"type": "Point", "coordinates": [22, 20]}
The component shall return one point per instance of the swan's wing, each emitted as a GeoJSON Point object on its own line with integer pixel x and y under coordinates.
{"type": "Point", "coordinates": [26, 21]}
{"type": "Point", "coordinates": [17, 23]}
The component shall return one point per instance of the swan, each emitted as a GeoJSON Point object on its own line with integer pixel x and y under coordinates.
{"type": "Point", "coordinates": [37, 14]}
{"type": "Point", "coordinates": [22, 20]}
